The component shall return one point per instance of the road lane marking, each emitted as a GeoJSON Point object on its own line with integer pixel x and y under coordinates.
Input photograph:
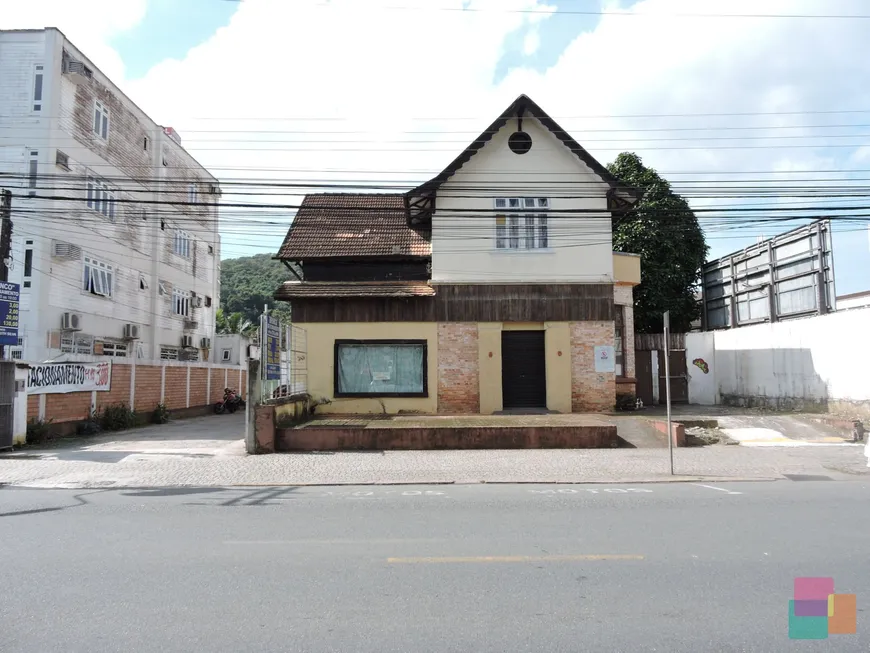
{"type": "Point", "coordinates": [713, 487]}
{"type": "Point", "coordinates": [551, 558]}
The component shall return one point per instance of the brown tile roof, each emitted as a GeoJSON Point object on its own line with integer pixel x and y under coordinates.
{"type": "Point", "coordinates": [352, 225]}
{"type": "Point", "coordinates": [329, 289]}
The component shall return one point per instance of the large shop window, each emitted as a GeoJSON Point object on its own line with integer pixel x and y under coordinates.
{"type": "Point", "coordinates": [380, 368]}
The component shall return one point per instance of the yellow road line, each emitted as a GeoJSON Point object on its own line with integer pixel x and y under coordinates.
{"type": "Point", "coordinates": [563, 558]}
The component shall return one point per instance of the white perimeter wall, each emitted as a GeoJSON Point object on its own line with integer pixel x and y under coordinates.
{"type": "Point", "coordinates": [818, 358]}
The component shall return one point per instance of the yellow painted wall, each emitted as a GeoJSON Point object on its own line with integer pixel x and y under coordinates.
{"type": "Point", "coordinates": [626, 268]}
{"type": "Point", "coordinates": [557, 340]}
{"type": "Point", "coordinates": [489, 343]}
{"type": "Point", "coordinates": [321, 339]}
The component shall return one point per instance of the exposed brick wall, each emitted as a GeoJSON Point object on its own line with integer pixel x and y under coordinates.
{"type": "Point", "coordinates": [119, 391]}
{"type": "Point", "coordinates": [199, 386]}
{"type": "Point", "coordinates": [147, 388]}
{"type": "Point", "coordinates": [217, 386]}
{"type": "Point", "coordinates": [176, 388]}
{"type": "Point", "coordinates": [68, 407]}
{"type": "Point", "coordinates": [458, 368]}
{"type": "Point", "coordinates": [623, 296]}
{"type": "Point", "coordinates": [32, 407]}
{"type": "Point", "coordinates": [76, 405]}
{"type": "Point", "coordinates": [591, 391]}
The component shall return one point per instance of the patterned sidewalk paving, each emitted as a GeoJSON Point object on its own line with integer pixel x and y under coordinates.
{"type": "Point", "coordinates": [209, 452]}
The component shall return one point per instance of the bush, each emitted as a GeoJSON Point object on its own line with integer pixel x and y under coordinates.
{"type": "Point", "coordinates": [89, 427]}
{"type": "Point", "coordinates": [626, 402]}
{"type": "Point", "coordinates": [160, 414]}
{"type": "Point", "coordinates": [38, 431]}
{"type": "Point", "coordinates": [117, 418]}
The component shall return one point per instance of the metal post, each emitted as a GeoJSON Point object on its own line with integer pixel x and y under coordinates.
{"type": "Point", "coordinates": [668, 386]}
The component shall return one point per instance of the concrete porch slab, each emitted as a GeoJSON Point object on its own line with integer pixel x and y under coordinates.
{"type": "Point", "coordinates": [421, 432]}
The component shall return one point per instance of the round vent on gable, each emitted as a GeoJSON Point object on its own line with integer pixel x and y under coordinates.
{"type": "Point", "coordinates": [520, 142]}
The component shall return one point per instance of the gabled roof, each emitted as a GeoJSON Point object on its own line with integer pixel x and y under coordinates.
{"type": "Point", "coordinates": [523, 106]}
{"type": "Point", "coordinates": [339, 225]}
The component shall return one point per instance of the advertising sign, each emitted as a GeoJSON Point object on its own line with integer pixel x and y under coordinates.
{"type": "Point", "coordinates": [9, 296]}
{"type": "Point", "coordinates": [57, 378]}
{"type": "Point", "coordinates": [273, 349]}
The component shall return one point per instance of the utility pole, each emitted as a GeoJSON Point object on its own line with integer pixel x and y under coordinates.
{"type": "Point", "coordinates": [5, 242]}
{"type": "Point", "coordinates": [667, 335]}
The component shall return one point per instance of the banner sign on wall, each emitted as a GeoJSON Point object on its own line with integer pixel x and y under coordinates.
{"type": "Point", "coordinates": [69, 377]}
{"type": "Point", "coordinates": [9, 295]}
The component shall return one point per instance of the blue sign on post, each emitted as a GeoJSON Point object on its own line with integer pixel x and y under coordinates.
{"type": "Point", "coordinates": [9, 297]}
{"type": "Point", "coordinates": [273, 349]}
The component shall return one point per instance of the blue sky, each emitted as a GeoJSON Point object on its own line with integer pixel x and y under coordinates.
{"type": "Point", "coordinates": [248, 84]}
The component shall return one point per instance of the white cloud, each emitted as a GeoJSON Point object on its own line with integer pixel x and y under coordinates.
{"type": "Point", "coordinates": [240, 99]}
{"type": "Point", "coordinates": [89, 24]}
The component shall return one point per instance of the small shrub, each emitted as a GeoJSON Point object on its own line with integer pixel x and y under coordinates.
{"type": "Point", "coordinates": [38, 431]}
{"type": "Point", "coordinates": [89, 427]}
{"type": "Point", "coordinates": [117, 418]}
{"type": "Point", "coordinates": [626, 402]}
{"type": "Point", "coordinates": [160, 414]}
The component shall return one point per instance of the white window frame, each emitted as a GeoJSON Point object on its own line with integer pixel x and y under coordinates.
{"type": "Point", "coordinates": [521, 224]}
{"type": "Point", "coordinates": [98, 278]}
{"type": "Point", "coordinates": [76, 343]}
{"type": "Point", "coordinates": [169, 353]}
{"type": "Point", "coordinates": [32, 172]}
{"type": "Point", "coordinates": [182, 243]}
{"type": "Point", "coordinates": [192, 194]}
{"type": "Point", "coordinates": [226, 355]}
{"type": "Point", "coordinates": [101, 197]}
{"type": "Point", "coordinates": [101, 120]}
{"type": "Point", "coordinates": [181, 302]}
{"type": "Point", "coordinates": [38, 87]}
{"type": "Point", "coordinates": [116, 349]}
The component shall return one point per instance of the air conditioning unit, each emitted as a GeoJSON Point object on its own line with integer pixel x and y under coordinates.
{"type": "Point", "coordinates": [131, 332]}
{"type": "Point", "coordinates": [214, 189]}
{"type": "Point", "coordinates": [78, 72]}
{"type": "Point", "coordinates": [187, 342]}
{"type": "Point", "coordinates": [205, 343]}
{"type": "Point", "coordinates": [71, 322]}
{"type": "Point", "coordinates": [66, 251]}
{"type": "Point", "coordinates": [198, 302]}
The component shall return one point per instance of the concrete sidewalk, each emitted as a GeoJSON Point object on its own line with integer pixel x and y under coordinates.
{"type": "Point", "coordinates": [209, 452]}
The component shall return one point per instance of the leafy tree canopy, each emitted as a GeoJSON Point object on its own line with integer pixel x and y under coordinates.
{"type": "Point", "coordinates": [248, 283]}
{"type": "Point", "coordinates": [234, 323]}
{"type": "Point", "coordinates": [663, 229]}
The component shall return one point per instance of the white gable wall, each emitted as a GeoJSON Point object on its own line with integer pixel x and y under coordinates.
{"type": "Point", "coordinates": [580, 244]}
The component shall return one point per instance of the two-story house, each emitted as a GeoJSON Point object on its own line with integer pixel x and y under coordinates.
{"type": "Point", "coordinates": [492, 287]}
{"type": "Point", "coordinates": [115, 226]}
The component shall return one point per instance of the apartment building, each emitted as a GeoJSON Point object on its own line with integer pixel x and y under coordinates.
{"type": "Point", "coordinates": [115, 226]}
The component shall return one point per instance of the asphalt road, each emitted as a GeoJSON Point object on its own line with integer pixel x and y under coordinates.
{"type": "Point", "coordinates": [670, 568]}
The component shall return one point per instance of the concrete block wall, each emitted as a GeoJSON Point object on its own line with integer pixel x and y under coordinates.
{"type": "Point", "coordinates": [458, 368]}
{"type": "Point", "coordinates": [179, 386]}
{"type": "Point", "coordinates": [591, 391]}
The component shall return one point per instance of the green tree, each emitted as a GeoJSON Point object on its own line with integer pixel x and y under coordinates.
{"type": "Point", "coordinates": [663, 229]}
{"type": "Point", "coordinates": [234, 323]}
{"type": "Point", "coordinates": [250, 282]}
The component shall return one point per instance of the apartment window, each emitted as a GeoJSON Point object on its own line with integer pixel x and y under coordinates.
{"type": "Point", "coordinates": [181, 244]}
{"type": "Point", "coordinates": [33, 173]}
{"type": "Point", "coordinates": [116, 349]}
{"type": "Point", "coordinates": [28, 264]}
{"type": "Point", "coordinates": [145, 143]}
{"type": "Point", "coordinates": [521, 223]}
{"type": "Point", "coordinates": [76, 343]}
{"type": "Point", "coordinates": [38, 78]}
{"type": "Point", "coordinates": [101, 197]}
{"type": "Point", "coordinates": [169, 353]}
{"type": "Point", "coordinates": [143, 282]}
{"type": "Point", "coordinates": [61, 159]}
{"type": "Point", "coordinates": [192, 193]}
{"type": "Point", "coordinates": [619, 339]}
{"type": "Point", "coordinates": [211, 249]}
{"type": "Point", "coordinates": [99, 277]}
{"type": "Point", "coordinates": [181, 302]}
{"type": "Point", "coordinates": [101, 120]}
{"type": "Point", "coordinates": [225, 354]}
{"type": "Point", "coordinates": [16, 354]}
{"type": "Point", "coordinates": [380, 368]}
{"type": "Point", "coordinates": [207, 301]}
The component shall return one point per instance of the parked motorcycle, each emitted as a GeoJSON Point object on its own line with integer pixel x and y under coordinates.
{"type": "Point", "coordinates": [232, 401]}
